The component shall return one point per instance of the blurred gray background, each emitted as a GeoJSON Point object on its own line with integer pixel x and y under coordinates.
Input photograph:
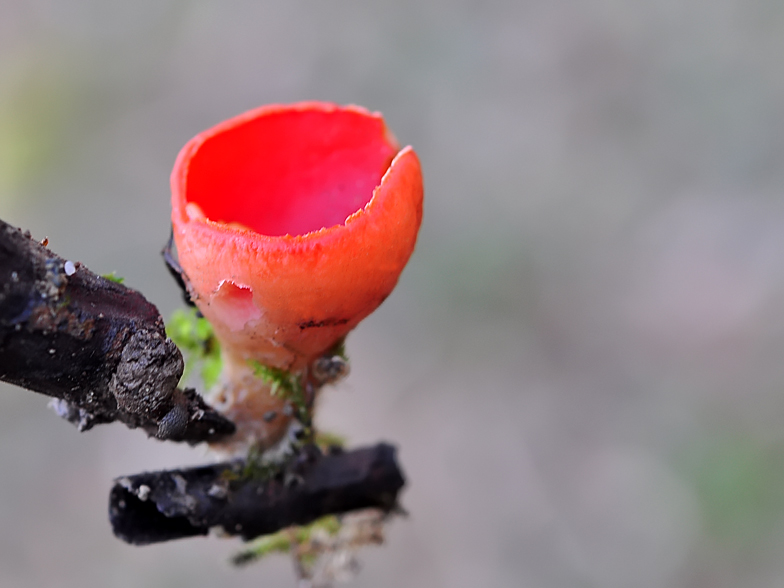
{"type": "Point", "coordinates": [582, 364]}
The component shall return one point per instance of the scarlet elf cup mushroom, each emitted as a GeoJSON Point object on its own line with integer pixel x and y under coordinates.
{"type": "Point", "coordinates": [292, 224]}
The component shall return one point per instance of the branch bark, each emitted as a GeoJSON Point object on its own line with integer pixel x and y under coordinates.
{"type": "Point", "coordinates": [160, 506]}
{"type": "Point", "coordinates": [97, 347]}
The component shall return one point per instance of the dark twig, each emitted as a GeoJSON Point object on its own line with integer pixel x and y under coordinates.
{"type": "Point", "coordinates": [160, 506]}
{"type": "Point", "coordinates": [96, 346]}
{"type": "Point", "coordinates": [100, 350]}
{"type": "Point", "coordinates": [175, 269]}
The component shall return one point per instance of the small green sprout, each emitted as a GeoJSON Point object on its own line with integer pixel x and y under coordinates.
{"type": "Point", "coordinates": [113, 277]}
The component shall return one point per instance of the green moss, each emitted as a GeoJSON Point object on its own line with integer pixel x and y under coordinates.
{"type": "Point", "coordinates": [330, 523]}
{"type": "Point", "coordinates": [195, 337]}
{"type": "Point", "coordinates": [113, 277]}
{"type": "Point", "coordinates": [279, 542]}
{"type": "Point", "coordinates": [287, 385]}
{"type": "Point", "coordinates": [283, 383]}
{"type": "Point", "coordinates": [288, 539]}
{"type": "Point", "coordinates": [211, 368]}
{"type": "Point", "coordinates": [325, 440]}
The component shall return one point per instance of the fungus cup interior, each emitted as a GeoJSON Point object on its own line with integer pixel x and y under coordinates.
{"type": "Point", "coordinates": [289, 171]}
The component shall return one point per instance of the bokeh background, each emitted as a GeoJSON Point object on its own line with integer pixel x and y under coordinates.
{"type": "Point", "coordinates": [582, 365]}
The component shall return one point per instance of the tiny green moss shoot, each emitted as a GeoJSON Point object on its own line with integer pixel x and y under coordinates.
{"type": "Point", "coordinates": [287, 385]}
{"type": "Point", "coordinates": [113, 277]}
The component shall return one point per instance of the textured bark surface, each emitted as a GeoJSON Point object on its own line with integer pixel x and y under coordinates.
{"type": "Point", "coordinates": [96, 346]}
{"type": "Point", "coordinates": [160, 506]}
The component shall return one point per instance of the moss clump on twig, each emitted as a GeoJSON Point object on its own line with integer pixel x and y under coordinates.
{"type": "Point", "coordinates": [113, 277]}
{"type": "Point", "coordinates": [298, 539]}
{"type": "Point", "coordinates": [195, 337]}
{"type": "Point", "coordinates": [287, 385]}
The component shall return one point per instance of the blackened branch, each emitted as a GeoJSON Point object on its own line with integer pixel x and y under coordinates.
{"type": "Point", "coordinates": [160, 506]}
{"type": "Point", "coordinates": [100, 350]}
{"type": "Point", "coordinates": [96, 346]}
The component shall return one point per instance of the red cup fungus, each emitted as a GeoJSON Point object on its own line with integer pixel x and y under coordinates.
{"type": "Point", "coordinates": [292, 224]}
